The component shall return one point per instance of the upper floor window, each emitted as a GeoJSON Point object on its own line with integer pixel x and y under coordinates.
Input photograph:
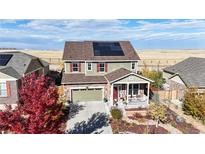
{"type": "Point", "coordinates": [3, 89]}
{"type": "Point", "coordinates": [102, 67]}
{"type": "Point", "coordinates": [89, 66]}
{"type": "Point", "coordinates": [75, 67]}
{"type": "Point", "coordinates": [133, 65]}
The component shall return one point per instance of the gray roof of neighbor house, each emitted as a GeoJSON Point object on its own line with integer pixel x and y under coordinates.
{"type": "Point", "coordinates": [190, 70]}
{"type": "Point", "coordinates": [84, 51]}
{"type": "Point", "coordinates": [21, 63]}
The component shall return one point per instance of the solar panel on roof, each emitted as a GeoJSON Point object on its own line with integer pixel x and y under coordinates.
{"type": "Point", "coordinates": [4, 59]}
{"type": "Point", "coordinates": [107, 49]}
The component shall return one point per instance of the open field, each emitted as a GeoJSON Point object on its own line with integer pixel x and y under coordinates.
{"type": "Point", "coordinates": [153, 59]}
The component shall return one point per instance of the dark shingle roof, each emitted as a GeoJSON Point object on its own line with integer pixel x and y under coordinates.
{"type": "Point", "coordinates": [117, 74]}
{"type": "Point", "coordinates": [82, 79]}
{"type": "Point", "coordinates": [84, 51]}
{"type": "Point", "coordinates": [11, 72]}
{"type": "Point", "coordinates": [22, 63]}
{"type": "Point", "coordinates": [191, 71]}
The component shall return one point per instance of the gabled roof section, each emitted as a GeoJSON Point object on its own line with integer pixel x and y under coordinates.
{"type": "Point", "coordinates": [11, 72]}
{"type": "Point", "coordinates": [22, 63]}
{"type": "Point", "coordinates": [34, 64]}
{"type": "Point", "coordinates": [117, 74]}
{"type": "Point", "coordinates": [84, 51]}
{"type": "Point", "coordinates": [122, 73]}
{"type": "Point", "coordinates": [190, 70]}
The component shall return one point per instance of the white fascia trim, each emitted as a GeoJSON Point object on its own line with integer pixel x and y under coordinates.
{"type": "Point", "coordinates": [8, 80]}
{"type": "Point", "coordinates": [130, 82]}
{"type": "Point", "coordinates": [89, 87]}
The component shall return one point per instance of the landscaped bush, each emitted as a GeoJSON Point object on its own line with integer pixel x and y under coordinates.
{"type": "Point", "coordinates": [194, 104]}
{"type": "Point", "coordinates": [116, 113]}
{"type": "Point", "coordinates": [156, 76]}
{"type": "Point", "coordinates": [157, 112]}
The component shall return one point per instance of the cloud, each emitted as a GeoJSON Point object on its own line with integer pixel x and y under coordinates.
{"type": "Point", "coordinates": [57, 31]}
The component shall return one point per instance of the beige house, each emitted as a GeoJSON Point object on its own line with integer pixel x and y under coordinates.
{"type": "Point", "coordinates": [13, 67]}
{"type": "Point", "coordinates": [186, 74]}
{"type": "Point", "coordinates": [98, 70]}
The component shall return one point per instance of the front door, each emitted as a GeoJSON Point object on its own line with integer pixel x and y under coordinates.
{"type": "Point", "coordinates": [115, 93]}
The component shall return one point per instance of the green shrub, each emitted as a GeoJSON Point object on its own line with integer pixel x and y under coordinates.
{"type": "Point", "coordinates": [194, 104]}
{"type": "Point", "coordinates": [116, 113]}
{"type": "Point", "coordinates": [157, 112]}
{"type": "Point", "coordinates": [156, 76]}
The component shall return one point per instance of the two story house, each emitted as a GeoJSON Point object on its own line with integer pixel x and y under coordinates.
{"type": "Point", "coordinates": [103, 70]}
{"type": "Point", "coordinates": [13, 67]}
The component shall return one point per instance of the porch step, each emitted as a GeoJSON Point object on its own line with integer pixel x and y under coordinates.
{"type": "Point", "coordinates": [136, 105]}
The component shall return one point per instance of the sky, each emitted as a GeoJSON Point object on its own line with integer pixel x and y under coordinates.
{"type": "Point", "coordinates": [143, 34]}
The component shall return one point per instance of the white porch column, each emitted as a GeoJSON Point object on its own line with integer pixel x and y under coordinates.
{"type": "Point", "coordinates": [148, 92]}
{"type": "Point", "coordinates": [127, 92]}
{"type": "Point", "coordinates": [111, 95]}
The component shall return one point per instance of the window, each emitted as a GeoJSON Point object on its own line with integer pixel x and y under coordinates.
{"type": "Point", "coordinates": [130, 89]}
{"type": "Point", "coordinates": [133, 66]}
{"type": "Point", "coordinates": [3, 89]}
{"type": "Point", "coordinates": [102, 67]}
{"type": "Point", "coordinates": [75, 67]}
{"type": "Point", "coordinates": [89, 67]}
{"type": "Point", "coordinates": [135, 89]}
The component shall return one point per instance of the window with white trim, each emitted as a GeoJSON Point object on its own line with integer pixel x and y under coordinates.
{"type": "Point", "coordinates": [89, 66]}
{"type": "Point", "coordinates": [102, 67]}
{"type": "Point", "coordinates": [75, 67]}
{"type": "Point", "coordinates": [3, 89]}
{"type": "Point", "coordinates": [133, 65]}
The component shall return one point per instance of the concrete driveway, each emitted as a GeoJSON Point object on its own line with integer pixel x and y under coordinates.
{"type": "Point", "coordinates": [89, 118]}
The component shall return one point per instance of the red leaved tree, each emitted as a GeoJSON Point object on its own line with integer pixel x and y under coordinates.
{"type": "Point", "coordinates": [38, 110]}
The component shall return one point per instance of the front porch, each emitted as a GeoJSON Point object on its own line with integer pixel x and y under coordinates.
{"type": "Point", "coordinates": [128, 88]}
{"type": "Point", "coordinates": [130, 95]}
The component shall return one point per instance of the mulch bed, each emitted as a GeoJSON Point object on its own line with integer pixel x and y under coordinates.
{"type": "Point", "coordinates": [184, 127]}
{"type": "Point", "coordinates": [136, 109]}
{"type": "Point", "coordinates": [119, 126]}
{"type": "Point", "coordinates": [137, 116]}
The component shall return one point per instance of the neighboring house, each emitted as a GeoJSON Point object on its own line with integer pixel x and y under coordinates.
{"type": "Point", "coordinates": [14, 66]}
{"type": "Point", "coordinates": [98, 70]}
{"type": "Point", "coordinates": [185, 74]}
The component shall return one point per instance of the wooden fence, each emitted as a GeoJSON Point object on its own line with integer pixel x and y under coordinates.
{"type": "Point", "coordinates": [167, 94]}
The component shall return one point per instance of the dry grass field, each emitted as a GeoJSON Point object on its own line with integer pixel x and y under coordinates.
{"type": "Point", "coordinates": [170, 54]}
{"type": "Point", "coordinates": [151, 58]}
